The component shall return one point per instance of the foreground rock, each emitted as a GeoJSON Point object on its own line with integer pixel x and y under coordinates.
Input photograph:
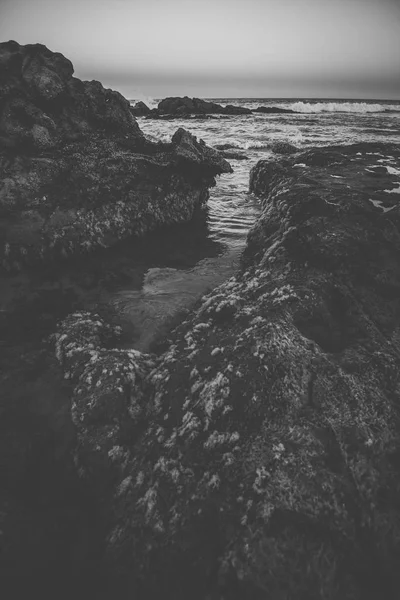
{"type": "Point", "coordinates": [76, 171]}
{"type": "Point", "coordinates": [258, 457]}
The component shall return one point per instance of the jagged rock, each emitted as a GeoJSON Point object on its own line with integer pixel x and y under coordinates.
{"type": "Point", "coordinates": [140, 109]}
{"type": "Point", "coordinates": [261, 455]}
{"type": "Point", "coordinates": [76, 171]}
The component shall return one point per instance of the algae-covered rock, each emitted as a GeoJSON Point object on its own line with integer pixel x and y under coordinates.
{"type": "Point", "coordinates": [76, 171]}
{"type": "Point", "coordinates": [261, 458]}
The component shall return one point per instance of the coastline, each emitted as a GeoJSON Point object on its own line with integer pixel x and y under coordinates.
{"type": "Point", "coordinates": [254, 446]}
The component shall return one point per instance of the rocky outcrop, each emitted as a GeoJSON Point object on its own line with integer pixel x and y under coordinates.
{"type": "Point", "coordinates": [186, 105]}
{"type": "Point", "coordinates": [230, 109]}
{"type": "Point", "coordinates": [140, 109]}
{"type": "Point", "coordinates": [76, 171]}
{"type": "Point", "coordinates": [281, 147]}
{"type": "Point", "coordinates": [273, 110]}
{"type": "Point", "coordinates": [258, 457]}
{"type": "Point", "coordinates": [195, 106]}
{"type": "Point", "coordinates": [177, 107]}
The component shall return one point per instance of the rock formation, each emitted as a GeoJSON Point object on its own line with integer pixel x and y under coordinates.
{"type": "Point", "coordinates": [140, 109]}
{"type": "Point", "coordinates": [273, 109]}
{"type": "Point", "coordinates": [258, 457]}
{"type": "Point", "coordinates": [281, 147]}
{"type": "Point", "coordinates": [177, 107]}
{"type": "Point", "coordinates": [76, 171]}
{"type": "Point", "coordinates": [185, 106]}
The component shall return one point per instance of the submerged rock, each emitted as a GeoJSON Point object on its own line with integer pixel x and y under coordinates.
{"type": "Point", "coordinates": [76, 171]}
{"type": "Point", "coordinates": [260, 453]}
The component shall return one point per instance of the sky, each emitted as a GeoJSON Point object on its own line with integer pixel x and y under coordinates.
{"type": "Point", "coordinates": [220, 48]}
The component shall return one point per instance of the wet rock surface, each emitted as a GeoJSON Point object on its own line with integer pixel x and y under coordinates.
{"type": "Point", "coordinates": [76, 171]}
{"type": "Point", "coordinates": [256, 456]}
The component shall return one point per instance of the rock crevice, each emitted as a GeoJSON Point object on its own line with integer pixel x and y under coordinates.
{"type": "Point", "coordinates": [262, 451]}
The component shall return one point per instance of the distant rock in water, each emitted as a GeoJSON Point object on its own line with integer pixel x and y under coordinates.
{"type": "Point", "coordinates": [229, 109]}
{"type": "Point", "coordinates": [140, 109]}
{"type": "Point", "coordinates": [283, 148]}
{"type": "Point", "coordinates": [272, 109]}
{"type": "Point", "coordinates": [263, 446]}
{"type": "Point", "coordinates": [195, 106]}
{"type": "Point", "coordinates": [184, 106]}
{"type": "Point", "coordinates": [76, 170]}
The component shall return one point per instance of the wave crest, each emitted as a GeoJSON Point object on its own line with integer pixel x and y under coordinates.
{"type": "Point", "coordinates": [349, 107]}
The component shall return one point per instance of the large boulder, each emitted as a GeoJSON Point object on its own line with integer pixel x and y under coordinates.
{"type": "Point", "coordinates": [76, 171]}
{"type": "Point", "coordinates": [258, 457]}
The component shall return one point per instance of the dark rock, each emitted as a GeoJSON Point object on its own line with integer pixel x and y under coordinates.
{"type": "Point", "coordinates": [76, 171]}
{"type": "Point", "coordinates": [140, 109]}
{"type": "Point", "coordinates": [195, 106]}
{"type": "Point", "coordinates": [283, 148]}
{"type": "Point", "coordinates": [225, 147]}
{"type": "Point", "coordinates": [233, 154]}
{"type": "Point", "coordinates": [272, 110]}
{"type": "Point", "coordinates": [229, 109]}
{"type": "Point", "coordinates": [186, 105]}
{"type": "Point", "coordinates": [260, 451]}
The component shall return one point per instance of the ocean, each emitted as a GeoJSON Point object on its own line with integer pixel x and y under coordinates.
{"type": "Point", "coordinates": [176, 282]}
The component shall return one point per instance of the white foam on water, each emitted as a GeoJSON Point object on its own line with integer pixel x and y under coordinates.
{"type": "Point", "coordinates": [255, 144]}
{"type": "Point", "coordinates": [379, 204]}
{"type": "Point", "coordinates": [392, 170]}
{"type": "Point", "coordinates": [395, 190]}
{"type": "Point", "coordinates": [348, 107]}
{"type": "Point", "coordinates": [148, 100]}
{"type": "Point", "coordinates": [337, 176]}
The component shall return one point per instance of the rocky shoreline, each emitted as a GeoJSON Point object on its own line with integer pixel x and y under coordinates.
{"type": "Point", "coordinates": [259, 452]}
{"type": "Point", "coordinates": [76, 171]}
{"type": "Point", "coordinates": [254, 452]}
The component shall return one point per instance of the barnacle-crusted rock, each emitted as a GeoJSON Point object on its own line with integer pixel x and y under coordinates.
{"type": "Point", "coordinates": [76, 171]}
{"type": "Point", "coordinates": [266, 463]}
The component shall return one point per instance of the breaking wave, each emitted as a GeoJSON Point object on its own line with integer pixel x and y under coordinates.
{"type": "Point", "coordinates": [348, 107]}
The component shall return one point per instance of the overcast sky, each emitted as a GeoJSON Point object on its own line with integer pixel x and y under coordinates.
{"type": "Point", "coordinates": [220, 48]}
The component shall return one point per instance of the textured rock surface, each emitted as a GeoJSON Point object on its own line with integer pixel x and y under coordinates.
{"type": "Point", "coordinates": [258, 457]}
{"type": "Point", "coordinates": [76, 171]}
{"type": "Point", "coordinates": [140, 109]}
